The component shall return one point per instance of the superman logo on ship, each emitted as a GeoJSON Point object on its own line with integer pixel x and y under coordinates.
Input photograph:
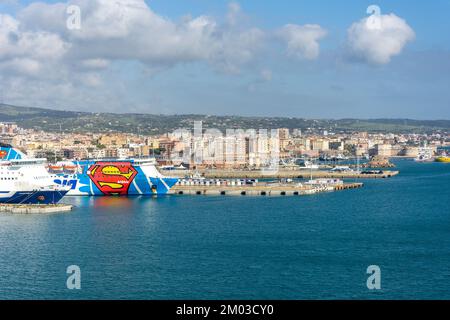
{"type": "Point", "coordinates": [112, 178]}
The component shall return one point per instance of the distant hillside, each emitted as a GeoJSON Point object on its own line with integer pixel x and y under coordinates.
{"type": "Point", "coordinates": [71, 121]}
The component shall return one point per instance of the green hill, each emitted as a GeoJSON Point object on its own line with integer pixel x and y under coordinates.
{"type": "Point", "coordinates": [72, 121]}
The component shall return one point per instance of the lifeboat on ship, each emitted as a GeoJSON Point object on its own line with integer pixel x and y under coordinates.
{"type": "Point", "coordinates": [55, 168]}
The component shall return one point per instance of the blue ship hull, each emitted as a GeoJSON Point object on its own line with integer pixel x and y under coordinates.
{"type": "Point", "coordinates": [81, 185]}
{"type": "Point", "coordinates": [33, 197]}
{"type": "Point", "coordinates": [115, 178]}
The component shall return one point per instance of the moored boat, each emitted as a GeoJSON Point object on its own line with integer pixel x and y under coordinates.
{"type": "Point", "coordinates": [443, 159]}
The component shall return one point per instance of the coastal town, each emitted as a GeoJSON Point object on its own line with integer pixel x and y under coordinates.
{"type": "Point", "coordinates": [235, 149]}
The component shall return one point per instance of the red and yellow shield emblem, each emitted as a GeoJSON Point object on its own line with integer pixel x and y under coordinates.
{"type": "Point", "coordinates": [112, 178]}
{"type": "Point", "coordinates": [3, 154]}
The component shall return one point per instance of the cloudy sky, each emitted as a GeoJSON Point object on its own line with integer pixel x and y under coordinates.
{"type": "Point", "coordinates": [313, 59]}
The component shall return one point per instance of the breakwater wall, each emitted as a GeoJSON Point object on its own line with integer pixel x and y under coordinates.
{"type": "Point", "coordinates": [34, 209]}
{"type": "Point", "coordinates": [260, 189]}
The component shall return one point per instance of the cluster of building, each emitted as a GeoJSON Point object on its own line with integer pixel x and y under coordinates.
{"type": "Point", "coordinates": [8, 128]}
{"type": "Point", "coordinates": [212, 148]}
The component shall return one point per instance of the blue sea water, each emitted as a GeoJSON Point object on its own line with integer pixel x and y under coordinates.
{"type": "Point", "coordinates": [175, 247]}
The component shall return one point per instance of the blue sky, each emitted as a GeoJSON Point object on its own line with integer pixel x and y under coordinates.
{"type": "Point", "coordinates": [312, 59]}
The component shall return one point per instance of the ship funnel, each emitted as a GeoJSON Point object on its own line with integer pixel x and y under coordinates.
{"type": "Point", "coordinates": [7, 152]}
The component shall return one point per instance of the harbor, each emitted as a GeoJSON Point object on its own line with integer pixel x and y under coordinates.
{"type": "Point", "coordinates": [253, 187]}
{"type": "Point", "coordinates": [141, 177]}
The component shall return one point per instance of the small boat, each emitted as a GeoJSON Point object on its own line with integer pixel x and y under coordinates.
{"type": "Point", "coordinates": [443, 159]}
{"type": "Point", "coordinates": [340, 169]}
{"type": "Point", "coordinates": [423, 158]}
{"type": "Point", "coordinates": [305, 164]}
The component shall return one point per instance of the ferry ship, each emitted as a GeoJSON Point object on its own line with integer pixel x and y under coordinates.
{"type": "Point", "coordinates": [26, 181]}
{"type": "Point", "coordinates": [102, 177]}
{"type": "Point", "coordinates": [113, 177]}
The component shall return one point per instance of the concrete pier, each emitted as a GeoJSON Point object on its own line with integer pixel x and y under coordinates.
{"type": "Point", "coordinates": [34, 208]}
{"type": "Point", "coordinates": [260, 189]}
{"type": "Point", "coordinates": [285, 174]}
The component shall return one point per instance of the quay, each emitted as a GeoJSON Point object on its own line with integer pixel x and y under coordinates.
{"type": "Point", "coordinates": [265, 189]}
{"type": "Point", "coordinates": [34, 208]}
{"type": "Point", "coordinates": [285, 174]}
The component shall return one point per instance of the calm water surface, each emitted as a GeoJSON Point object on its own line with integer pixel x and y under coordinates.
{"type": "Point", "coordinates": [311, 247]}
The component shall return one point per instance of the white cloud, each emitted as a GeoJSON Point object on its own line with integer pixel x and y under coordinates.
{"type": "Point", "coordinates": [24, 66]}
{"type": "Point", "coordinates": [377, 44]}
{"type": "Point", "coordinates": [38, 50]}
{"type": "Point", "coordinates": [130, 30]}
{"type": "Point", "coordinates": [92, 80]}
{"type": "Point", "coordinates": [98, 64]}
{"type": "Point", "coordinates": [27, 52]}
{"type": "Point", "coordinates": [302, 41]}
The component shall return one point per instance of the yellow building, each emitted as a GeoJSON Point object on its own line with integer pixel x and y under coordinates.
{"type": "Point", "coordinates": [113, 140]}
